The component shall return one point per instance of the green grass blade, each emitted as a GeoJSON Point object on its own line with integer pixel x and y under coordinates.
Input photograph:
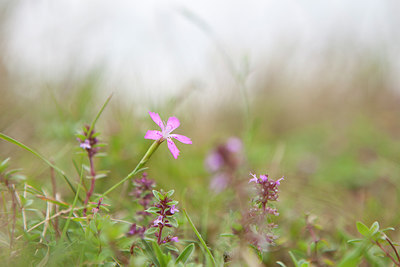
{"type": "Point", "coordinates": [199, 237]}
{"type": "Point", "coordinates": [15, 142]}
{"type": "Point", "coordinates": [98, 114]}
{"type": "Point", "coordinates": [72, 207]}
{"type": "Point", "coordinates": [186, 253]}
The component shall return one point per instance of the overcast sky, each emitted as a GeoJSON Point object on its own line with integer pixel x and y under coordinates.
{"type": "Point", "coordinates": [156, 44]}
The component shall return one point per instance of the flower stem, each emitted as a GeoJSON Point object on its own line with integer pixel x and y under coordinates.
{"type": "Point", "coordinates": [93, 174]}
{"type": "Point", "coordinates": [138, 167]}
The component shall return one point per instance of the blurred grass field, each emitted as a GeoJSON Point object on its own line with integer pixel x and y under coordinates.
{"type": "Point", "coordinates": [336, 141]}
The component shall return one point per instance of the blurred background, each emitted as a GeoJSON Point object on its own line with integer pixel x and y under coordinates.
{"type": "Point", "coordinates": [311, 88]}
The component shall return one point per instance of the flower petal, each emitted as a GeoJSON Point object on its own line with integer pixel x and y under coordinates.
{"type": "Point", "coordinates": [156, 118]}
{"type": "Point", "coordinates": [153, 135]}
{"type": "Point", "coordinates": [254, 179]}
{"type": "Point", "coordinates": [172, 147]}
{"type": "Point", "coordinates": [181, 138]}
{"type": "Point", "coordinates": [172, 124]}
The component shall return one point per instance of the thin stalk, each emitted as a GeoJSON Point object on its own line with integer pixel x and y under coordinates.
{"type": "Point", "coordinates": [394, 248]}
{"type": "Point", "coordinates": [160, 234]}
{"type": "Point", "coordinates": [387, 253]}
{"type": "Point", "coordinates": [73, 207]}
{"type": "Point", "coordinates": [54, 188]}
{"type": "Point", "coordinates": [199, 237]}
{"type": "Point", "coordinates": [138, 167]}
{"type": "Point", "coordinates": [92, 184]}
{"type": "Point", "coordinates": [14, 210]}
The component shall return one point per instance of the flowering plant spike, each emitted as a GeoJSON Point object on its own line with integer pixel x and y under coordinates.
{"type": "Point", "coordinates": [165, 133]}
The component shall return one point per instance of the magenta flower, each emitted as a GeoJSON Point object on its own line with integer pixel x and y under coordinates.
{"type": "Point", "coordinates": [165, 133]}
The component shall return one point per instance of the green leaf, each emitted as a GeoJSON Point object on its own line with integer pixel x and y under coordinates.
{"type": "Point", "coordinates": [293, 259]}
{"type": "Point", "coordinates": [354, 240]}
{"type": "Point", "coordinates": [374, 228]}
{"type": "Point", "coordinates": [388, 229]}
{"type": "Point", "coordinates": [170, 193]}
{"type": "Point", "coordinates": [173, 222]}
{"type": "Point", "coordinates": [186, 253]}
{"type": "Point", "coordinates": [151, 230]}
{"type": "Point", "coordinates": [281, 263]}
{"type": "Point", "coordinates": [173, 202]}
{"type": "Point", "coordinates": [4, 165]}
{"type": "Point", "coordinates": [149, 252]}
{"type": "Point", "coordinates": [158, 195]}
{"type": "Point", "coordinates": [162, 258]}
{"type": "Point", "coordinates": [153, 210]}
{"type": "Point", "coordinates": [363, 229]}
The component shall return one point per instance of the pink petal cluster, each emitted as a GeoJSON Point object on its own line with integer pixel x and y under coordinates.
{"type": "Point", "coordinates": [165, 133]}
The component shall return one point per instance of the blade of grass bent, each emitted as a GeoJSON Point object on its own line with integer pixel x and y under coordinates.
{"type": "Point", "coordinates": [15, 142]}
{"type": "Point", "coordinates": [199, 237]}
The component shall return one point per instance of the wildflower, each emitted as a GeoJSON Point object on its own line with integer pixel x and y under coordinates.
{"type": "Point", "coordinates": [174, 239]}
{"type": "Point", "coordinates": [223, 162]}
{"type": "Point", "coordinates": [85, 144]}
{"type": "Point", "coordinates": [255, 226]}
{"type": "Point", "coordinates": [219, 182]}
{"type": "Point", "coordinates": [166, 208]}
{"type": "Point", "coordinates": [87, 141]}
{"type": "Point", "coordinates": [165, 133]}
{"type": "Point", "coordinates": [173, 209]}
{"type": "Point", "coordinates": [143, 193]}
{"type": "Point", "coordinates": [135, 230]}
{"type": "Point", "coordinates": [158, 221]}
{"type": "Point", "coordinates": [268, 191]}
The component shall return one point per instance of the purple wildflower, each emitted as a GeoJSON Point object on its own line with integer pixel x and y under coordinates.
{"type": "Point", "coordinates": [135, 230]}
{"type": "Point", "coordinates": [85, 144]}
{"type": "Point", "coordinates": [223, 162]}
{"type": "Point", "coordinates": [165, 133]}
{"type": "Point", "coordinates": [268, 191]}
{"type": "Point", "coordinates": [255, 229]}
{"type": "Point", "coordinates": [158, 221]}
{"type": "Point", "coordinates": [173, 209]}
{"type": "Point", "coordinates": [143, 193]}
{"type": "Point", "coordinates": [234, 145]}
{"type": "Point", "coordinates": [166, 211]}
{"type": "Point", "coordinates": [174, 239]}
{"type": "Point", "coordinates": [219, 182]}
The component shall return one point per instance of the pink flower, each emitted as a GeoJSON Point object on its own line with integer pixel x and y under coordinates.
{"type": "Point", "coordinates": [173, 209]}
{"type": "Point", "coordinates": [254, 179]}
{"type": "Point", "coordinates": [165, 133]}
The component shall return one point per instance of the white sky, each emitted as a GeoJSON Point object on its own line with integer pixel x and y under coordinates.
{"type": "Point", "coordinates": [151, 44]}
